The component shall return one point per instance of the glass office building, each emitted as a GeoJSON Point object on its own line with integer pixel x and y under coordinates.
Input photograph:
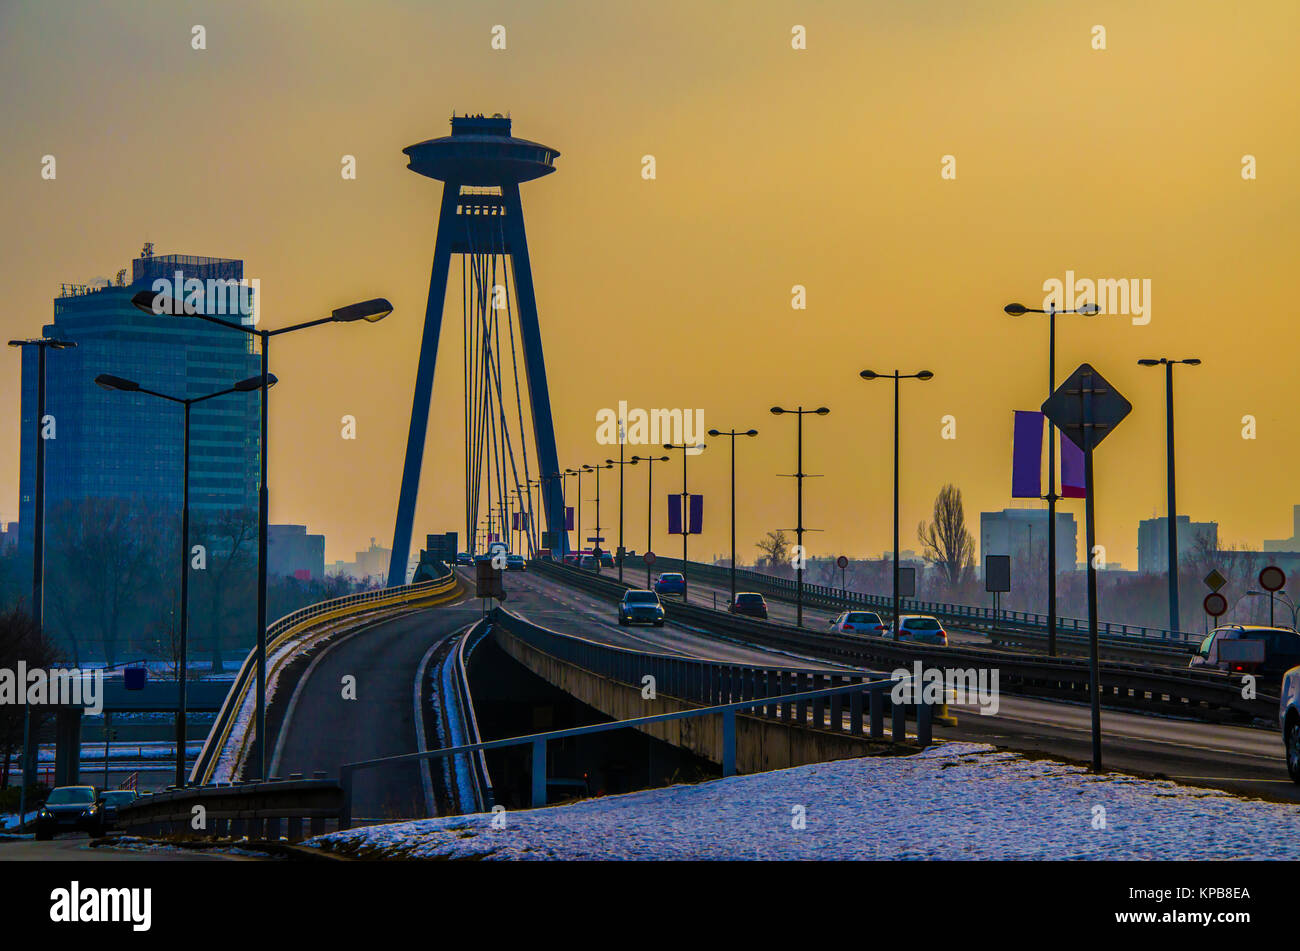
{"type": "Point", "coordinates": [117, 445]}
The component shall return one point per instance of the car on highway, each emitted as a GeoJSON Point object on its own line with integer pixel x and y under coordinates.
{"type": "Point", "coordinates": [670, 582]}
{"type": "Point", "coordinates": [1269, 652]}
{"type": "Point", "coordinates": [516, 563]}
{"type": "Point", "coordinates": [1289, 720]}
{"type": "Point", "coordinates": [67, 808]}
{"type": "Point", "coordinates": [572, 558]}
{"type": "Point", "coordinates": [112, 800]}
{"type": "Point", "coordinates": [640, 607]}
{"type": "Point", "coordinates": [858, 622]}
{"type": "Point", "coordinates": [587, 562]}
{"type": "Point", "coordinates": [464, 558]}
{"type": "Point", "coordinates": [750, 604]}
{"type": "Point", "coordinates": [922, 629]}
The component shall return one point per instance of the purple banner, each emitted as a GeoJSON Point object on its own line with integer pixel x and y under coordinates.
{"type": "Point", "coordinates": [1027, 455]}
{"type": "Point", "coordinates": [694, 512]}
{"type": "Point", "coordinates": [697, 514]}
{"type": "Point", "coordinates": [568, 518]}
{"type": "Point", "coordinates": [674, 515]}
{"type": "Point", "coordinates": [1071, 469]}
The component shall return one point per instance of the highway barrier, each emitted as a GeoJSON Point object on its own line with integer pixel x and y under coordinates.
{"type": "Point", "coordinates": [251, 810]}
{"type": "Point", "coordinates": [227, 731]}
{"type": "Point", "coordinates": [1200, 694]}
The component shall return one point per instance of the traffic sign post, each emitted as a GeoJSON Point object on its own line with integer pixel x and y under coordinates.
{"type": "Point", "coordinates": [649, 561]}
{"type": "Point", "coordinates": [997, 578]}
{"type": "Point", "coordinates": [1272, 579]}
{"type": "Point", "coordinates": [1087, 409]}
{"type": "Point", "coordinates": [842, 563]}
{"type": "Point", "coordinates": [1215, 604]}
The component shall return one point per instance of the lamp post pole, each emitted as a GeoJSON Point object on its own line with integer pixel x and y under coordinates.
{"type": "Point", "coordinates": [649, 504]}
{"type": "Point", "coordinates": [685, 508]}
{"type": "Point", "coordinates": [622, 464]}
{"type": "Point", "coordinates": [896, 376]}
{"type": "Point", "coordinates": [371, 311]}
{"type": "Point", "coordinates": [29, 761]}
{"type": "Point", "coordinates": [799, 476]}
{"type": "Point", "coordinates": [732, 434]}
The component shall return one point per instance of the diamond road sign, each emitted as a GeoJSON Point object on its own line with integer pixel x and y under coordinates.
{"type": "Point", "coordinates": [1086, 408]}
{"type": "Point", "coordinates": [1214, 580]}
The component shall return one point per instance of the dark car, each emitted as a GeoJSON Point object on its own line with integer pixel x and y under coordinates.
{"type": "Point", "coordinates": [111, 801]}
{"type": "Point", "coordinates": [464, 558]}
{"type": "Point", "coordinates": [69, 807]}
{"type": "Point", "coordinates": [640, 607]}
{"type": "Point", "coordinates": [516, 563]}
{"type": "Point", "coordinates": [670, 582]}
{"type": "Point", "coordinates": [1279, 646]}
{"type": "Point", "coordinates": [750, 604]}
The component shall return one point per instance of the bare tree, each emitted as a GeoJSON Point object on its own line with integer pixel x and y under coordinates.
{"type": "Point", "coordinates": [20, 640]}
{"type": "Point", "coordinates": [946, 542]}
{"type": "Point", "coordinates": [775, 548]}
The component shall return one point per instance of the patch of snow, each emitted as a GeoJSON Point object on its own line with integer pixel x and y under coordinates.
{"type": "Point", "coordinates": [954, 801]}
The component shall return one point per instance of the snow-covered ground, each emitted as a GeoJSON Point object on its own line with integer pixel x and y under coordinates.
{"type": "Point", "coordinates": [954, 801]}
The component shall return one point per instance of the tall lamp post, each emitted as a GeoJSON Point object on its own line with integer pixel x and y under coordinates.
{"type": "Point", "coordinates": [577, 515]}
{"type": "Point", "coordinates": [732, 434]}
{"type": "Point", "coordinates": [1174, 622]}
{"type": "Point", "coordinates": [622, 464]}
{"type": "Point", "coordinates": [649, 505]}
{"type": "Point", "coordinates": [1019, 310]}
{"type": "Point", "coordinates": [109, 382]}
{"type": "Point", "coordinates": [799, 476]}
{"type": "Point", "coordinates": [38, 541]}
{"type": "Point", "coordinates": [596, 549]}
{"type": "Point", "coordinates": [371, 311]}
{"type": "Point", "coordinates": [921, 375]}
{"type": "Point", "coordinates": [686, 501]}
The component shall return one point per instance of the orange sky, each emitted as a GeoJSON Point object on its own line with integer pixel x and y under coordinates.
{"type": "Point", "coordinates": [776, 167]}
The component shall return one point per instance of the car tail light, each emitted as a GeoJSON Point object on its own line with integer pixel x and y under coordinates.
{"type": "Point", "coordinates": [848, 627]}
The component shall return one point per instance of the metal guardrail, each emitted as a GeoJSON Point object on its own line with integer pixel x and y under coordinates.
{"type": "Point", "coordinates": [839, 598]}
{"type": "Point", "coordinates": [1188, 692]}
{"type": "Point", "coordinates": [476, 763]}
{"type": "Point", "coordinates": [766, 693]}
{"type": "Point", "coordinates": [284, 628]}
{"type": "Point", "coordinates": [254, 810]}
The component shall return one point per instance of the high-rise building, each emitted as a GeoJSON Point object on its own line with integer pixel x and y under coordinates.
{"type": "Point", "coordinates": [292, 553]}
{"type": "Point", "coordinates": [1023, 533]}
{"type": "Point", "coordinates": [1153, 542]}
{"type": "Point", "coordinates": [1287, 544]}
{"type": "Point", "coordinates": [116, 445]}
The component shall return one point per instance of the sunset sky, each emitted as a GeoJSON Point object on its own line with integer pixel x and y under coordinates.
{"type": "Point", "coordinates": [775, 167]}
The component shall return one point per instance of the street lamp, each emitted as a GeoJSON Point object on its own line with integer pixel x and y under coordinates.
{"type": "Point", "coordinates": [577, 522]}
{"type": "Point", "coordinates": [596, 549]}
{"type": "Point", "coordinates": [686, 500]}
{"type": "Point", "coordinates": [1174, 622]}
{"type": "Point", "coordinates": [109, 382]}
{"type": "Point", "coordinates": [41, 344]}
{"type": "Point", "coordinates": [732, 434]}
{"type": "Point", "coordinates": [1019, 310]}
{"type": "Point", "coordinates": [921, 375]}
{"type": "Point", "coordinates": [621, 465]}
{"type": "Point", "coordinates": [649, 506]}
{"type": "Point", "coordinates": [371, 311]}
{"type": "Point", "coordinates": [799, 476]}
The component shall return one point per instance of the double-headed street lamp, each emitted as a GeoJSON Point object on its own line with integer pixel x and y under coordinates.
{"type": "Point", "coordinates": [1019, 310]}
{"type": "Point", "coordinates": [732, 434]}
{"type": "Point", "coordinates": [373, 310]}
{"type": "Point", "coordinates": [577, 519]}
{"type": "Point", "coordinates": [921, 375]}
{"type": "Point", "coordinates": [1174, 622]}
{"type": "Point", "coordinates": [621, 463]}
{"type": "Point", "coordinates": [596, 549]}
{"type": "Point", "coordinates": [799, 476]}
{"type": "Point", "coordinates": [109, 382]}
{"type": "Point", "coordinates": [649, 505]}
{"type": "Point", "coordinates": [686, 504]}
{"type": "Point", "coordinates": [38, 540]}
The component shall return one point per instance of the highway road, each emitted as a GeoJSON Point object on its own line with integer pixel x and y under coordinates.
{"type": "Point", "coordinates": [75, 847]}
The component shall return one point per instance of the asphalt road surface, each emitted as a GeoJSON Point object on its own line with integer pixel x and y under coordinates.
{"type": "Point", "coordinates": [75, 847]}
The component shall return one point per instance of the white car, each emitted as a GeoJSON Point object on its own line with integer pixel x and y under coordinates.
{"type": "Point", "coordinates": [858, 622]}
{"type": "Point", "coordinates": [922, 629]}
{"type": "Point", "coordinates": [1289, 720]}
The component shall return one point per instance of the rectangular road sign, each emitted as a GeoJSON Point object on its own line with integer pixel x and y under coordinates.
{"type": "Point", "coordinates": [997, 573]}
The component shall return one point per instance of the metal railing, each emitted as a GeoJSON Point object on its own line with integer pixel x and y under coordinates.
{"type": "Point", "coordinates": [831, 596]}
{"type": "Point", "coordinates": [252, 810]}
{"type": "Point", "coordinates": [279, 632]}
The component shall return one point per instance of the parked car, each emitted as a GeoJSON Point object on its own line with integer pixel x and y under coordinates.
{"type": "Point", "coordinates": [69, 807]}
{"type": "Point", "coordinates": [922, 629]}
{"type": "Point", "coordinates": [516, 563]}
{"type": "Point", "coordinates": [640, 607]}
{"type": "Point", "coordinates": [1289, 720]}
{"type": "Point", "coordinates": [464, 558]}
{"type": "Point", "coordinates": [670, 582]}
{"type": "Point", "coordinates": [859, 622]}
{"type": "Point", "coordinates": [750, 604]}
{"type": "Point", "coordinates": [112, 800]}
{"type": "Point", "coordinates": [1222, 650]}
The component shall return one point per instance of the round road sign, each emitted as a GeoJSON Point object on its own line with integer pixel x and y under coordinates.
{"type": "Point", "coordinates": [1216, 604]}
{"type": "Point", "coordinates": [1272, 578]}
{"type": "Point", "coordinates": [842, 561]}
{"type": "Point", "coordinates": [649, 558]}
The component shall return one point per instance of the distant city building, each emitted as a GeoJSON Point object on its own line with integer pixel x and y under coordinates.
{"type": "Point", "coordinates": [1023, 533]}
{"type": "Point", "coordinates": [371, 563]}
{"type": "Point", "coordinates": [1287, 544]}
{"type": "Point", "coordinates": [115, 445]}
{"type": "Point", "coordinates": [8, 536]}
{"type": "Point", "coordinates": [1153, 542]}
{"type": "Point", "coordinates": [292, 553]}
